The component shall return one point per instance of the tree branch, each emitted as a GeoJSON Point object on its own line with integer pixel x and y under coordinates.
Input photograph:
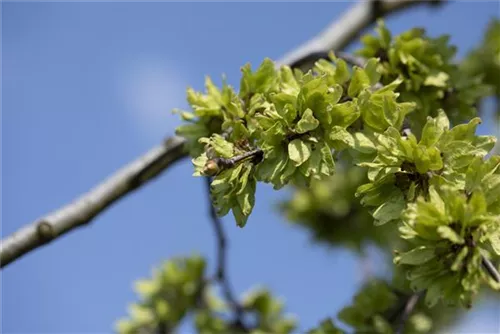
{"type": "Point", "coordinates": [340, 33]}
{"type": "Point", "coordinates": [409, 306]}
{"type": "Point", "coordinates": [221, 274]}
{"type": "Point", "coordinates": [490, 268]}
{"type": "Point", "coordinates": [336, 37]}
{"type": "Point", "coordinates": [88, 206]}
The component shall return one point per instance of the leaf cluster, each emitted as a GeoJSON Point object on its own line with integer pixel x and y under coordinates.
{"type": "Point", "coordinates": [334, 215]}
{"type": "Point", "coordinates": [431, 78]}
{"type": "Point", "coordinates": [406, 121]}
{"type": "Point", "coordinates": [180, 288]}
{"type": "Point", "coordinates": [484, 61]}
{"type": "Point", "coordinates": [287, 125]}
{"type": "Point", "coordinates": [174, 289]}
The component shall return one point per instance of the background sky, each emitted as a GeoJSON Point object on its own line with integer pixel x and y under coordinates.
{"type": "Point", "coordinates": [88, 87]}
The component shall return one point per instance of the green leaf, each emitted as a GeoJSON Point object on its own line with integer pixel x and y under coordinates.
{"type": "Point", "coordinates": [416, 256]}
{"type": "Point", "coordinates": [431, 133]}
{"type": "Point", "coordinates": [371, 69]}
{"type": "Point", "coordinates": [299, 151]}
{"type": "Point", "coordinates": [432, 295]}
{"type": "Point", "coordinates": [359, 81]}
{"type": "Point", "coordinates": [363, 144]}
{"type": "Point", "coordinates": [326, 155]}
{"type": "Point", "coordinates": [422, 159]}
{"type": "Point", "coordinates": [384, 33]}
{"type": "Point", "coordinates": [342, 74]}
{"type": "Point", "coordinates": [344, 114]}
{"type": "Point", "coordinates": [442, 120]}
{"type": "Point", "coordinates": [146, 288]}
{"type": "Point", "coordinates": [239, 217]}
{"type": "Point", "coordinates": [390, 210]}
{"type": "Point", "coordinates": [447, 232]}
{"type": "Point", "coordinates": [307, 122]}
{"type": "Point", "coordinates": [438, 79]}
{"type": "Point", "coordinates": [339, 134]}
{"type": "Point", "coordinates": [494, 238]}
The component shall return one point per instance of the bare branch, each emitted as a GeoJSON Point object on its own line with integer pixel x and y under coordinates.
{"type": "Point", "coordinates": [85, 208]}
{"type": "Point", "coordinates": [490, 268]}
{"type": "Point", "coordinates": [221, 274]}
{"type": "Point", "coordinates": [80, 212]}
{"type": "Point", "coordinates": [347, 28]}
{"type": "Point", "coordinates": [409, 306]}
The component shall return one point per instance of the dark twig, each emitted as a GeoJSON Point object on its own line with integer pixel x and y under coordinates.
{"type": "Point", "coordinates": [216, 165]}
{"type": "Point", "coordinates": [490, 268]}
{"type": "Point", "coordinates": [163, 328]}
{"type": "Point", "coordinates": [231, 162]}
{"type": "Point", "coordinates": [409, 306]}
{"type": "Point", "coordinates": [377, 9]}
{"type": "Point", "coordinates": [221, 274]}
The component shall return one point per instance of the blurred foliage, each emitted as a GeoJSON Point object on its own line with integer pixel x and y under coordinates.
{"type": "Point", "coordinates": [180, 287]}
{"type": "Point", "coordinates": [379, 307]}
{"type": "Point", "coordinates": [484, 61]}
{"type": "Point", "coordinates": [334, 216]}
{"type": "Point", "coordinates": [384, 154]}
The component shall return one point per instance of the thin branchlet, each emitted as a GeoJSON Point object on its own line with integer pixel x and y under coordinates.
{"type": "Point", "coordinates": [221, 268]}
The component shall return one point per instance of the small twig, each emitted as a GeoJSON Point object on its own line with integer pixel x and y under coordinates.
{"type": "Point", "coordinates": [163, 328]}
{"type": "Point", "coordinates": [377, 9]}
{"type": "Point", "coordinates": [490, 268]}
{"type": "Point", "coordinates": [407, 310]}
{"type": "Point", "coordinates": [218, 164]}
{"type": "Point", "coordinates": [221, 274]}
{"type": "Point", "coordinates": [231, 162]}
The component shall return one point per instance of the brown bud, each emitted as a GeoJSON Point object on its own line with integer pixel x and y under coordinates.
{"type": "Point", "coordinates": [211, 168]}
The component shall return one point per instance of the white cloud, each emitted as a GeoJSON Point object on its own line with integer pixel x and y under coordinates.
{"type": "Point", "coordinates": [150, 89]}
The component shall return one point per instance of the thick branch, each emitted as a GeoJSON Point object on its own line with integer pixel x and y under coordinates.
{"type": "Point", "coordinates": [340, 33]}
{"type": "Point", "coordinates": [336, 37]}
{"type": "Point", "coordinates": [85, 208]}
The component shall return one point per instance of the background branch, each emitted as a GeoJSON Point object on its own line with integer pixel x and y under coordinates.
{"type": "Point", "coordinates": [221, 274]}
{"type": "Point", "coordinates": [340, 33]}
{"type": "Point", "coordinates": [490, 268]}
{"type": "Point", "coordinates": [80, 212]}
{"type": "Point", "coordinates": [409, 306]}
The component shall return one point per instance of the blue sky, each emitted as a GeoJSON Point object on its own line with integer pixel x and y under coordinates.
{"type": "Point", "coordinates": [87, 87]}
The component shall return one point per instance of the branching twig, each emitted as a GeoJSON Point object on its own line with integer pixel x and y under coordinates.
{"type": "Point", "coordinates": [336, 37]}
{"type": "Point", "coordinates": [221, 273]}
